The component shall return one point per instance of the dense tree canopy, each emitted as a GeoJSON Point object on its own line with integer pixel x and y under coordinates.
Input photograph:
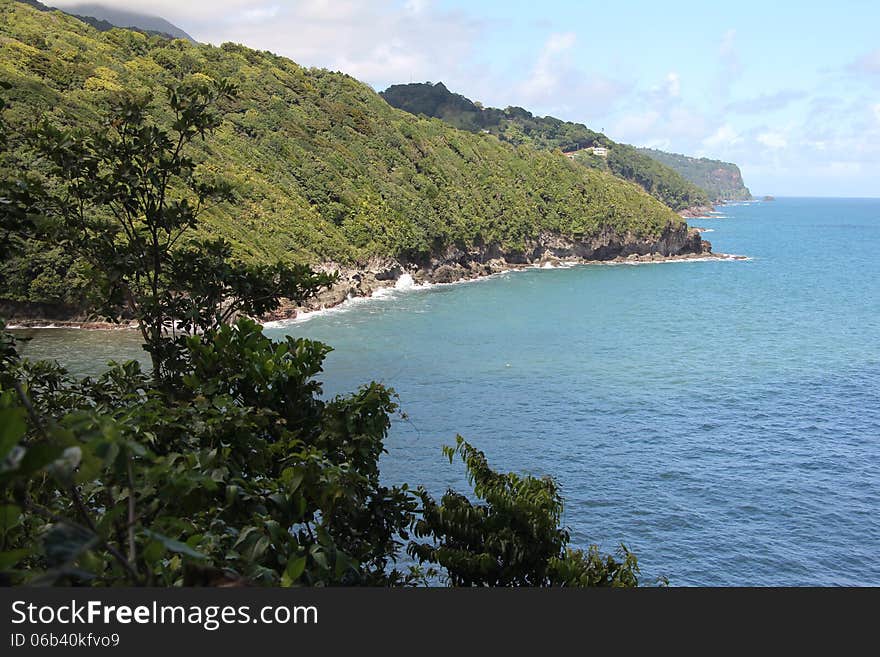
{"type": "Point", "coordinates": [518, 126]}
{"type": "Point", "coordinates": [225, 464]}
{"type": "Point", "coordinates": [721, 180]}
{"type": "Point", "coordinates": [320, 167]}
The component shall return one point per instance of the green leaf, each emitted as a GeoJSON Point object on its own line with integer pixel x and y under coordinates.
{"type": "Point", "coordinates": [320, 557]}
{"type": "Point", "coordinates": [154, 551]}
{"type": "Point", "coordinates": [12, 558]}
{"type": "Point", "coordinates": [12, 429]}
{"type": "Point", "coordinates": [295, 568]}
{"type": "Point", "coordinates": [174, 545]}
{"type": "Point", "coordinates": [260, 548]}
{"type": "Point", "coordinates": [37, 457]}
{"type": "Point", "coordinates": [294, 479]}
{"type": "Point", "coordinates": [63, 543]}
{"type": "Point", "coordinates": [10, 518]}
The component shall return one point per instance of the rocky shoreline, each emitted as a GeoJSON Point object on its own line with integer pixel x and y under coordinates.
{"type": "Point", "coordinates": [677, 242]}
{"type": "Point", "coordinates": [696, 211]}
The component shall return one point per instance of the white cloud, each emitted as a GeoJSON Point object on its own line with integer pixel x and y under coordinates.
{"type": "Point", "coordinates": [876, 110]}
{"type": "Point", "coordinates": [173, 10]}
{"type": "Point", "coordinates": [415, 6]}
{"type": "Point", "coordinates": [668, 89]}
{"type": "Point", "coordinates": [767, 102]}
{"type": "Point", "coordinates": [635, 127]}
{"type": "Point", "coordinates": [723, 137]}
{"type": "Point", "coordinates": [555, 84]}
{"type": "Point", "coordinates": [559, 43]}
{"type": "Point", "coordinates": [727, 48]}
{"type": "Point", "coordinates": [673, 85]}
{"type": "Point", "coordinates": [868, 63]}
{"type": "Point", "coordinates": [730, 66]}
{"type": "Point", "coordinates": [378, 41]}
{"type": "Point", "coordinates": [258, 14]}
{"type": "Point", "coordinates": [844, 168]}
{"type": "Point", "coordinates": [772, 140]}
{"type": "Point", "coordinates": [547, 75]}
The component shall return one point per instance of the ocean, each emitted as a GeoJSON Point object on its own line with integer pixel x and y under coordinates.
{"type": "Point", "coordinates": [720, 418]}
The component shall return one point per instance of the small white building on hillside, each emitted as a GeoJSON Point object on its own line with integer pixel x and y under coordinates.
{"type": "Point", "coordinates": [601, 151]}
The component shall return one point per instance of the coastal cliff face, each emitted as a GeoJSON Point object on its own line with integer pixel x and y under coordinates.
{"type": "Point", "coordinates": [676, 242]}
{"type": "Point", "coordinates": [723, 181]}
{"type": "Point", "coordinates": [696, 211]}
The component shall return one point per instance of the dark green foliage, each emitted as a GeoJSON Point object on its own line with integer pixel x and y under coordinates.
{"type": "Point", "coordinates": [514, 124]}
{"type": "Point", "coordinates": [656, 178]}
{"type": "Point", "coordinates": [123, 199]}
{"type": "Point", "coordinates": [16, 221]}
{"type": "Point", "coordinates": [241, 473]}
{"type": "Point", "coordinates": [321, 167]}
{"type": "Point", "coordinates": [519, 127]}
{"type": "Point", "coordinates": [223, 465]}
{"type": "Point", "coordinates": [721, 180]}
{"type": "Point", "coordinates": [514, 538]}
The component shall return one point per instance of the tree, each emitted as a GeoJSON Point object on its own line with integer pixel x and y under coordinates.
{"type": "Point", "coordinates": [243, 474]}
{"type": "Point", "coordinates": [124, 198]}
{"type": "Point", "coordinates": [16, 222]}
{"type": "Point", "coordinates": [513, 539]}
{"type": "Point", "coordinates": [224, 465]}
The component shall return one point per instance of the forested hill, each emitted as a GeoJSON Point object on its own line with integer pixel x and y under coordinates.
{"type": "Point", "coordinates": [518, 126]}
{"type": "Point", "coordinates": [322, 167]}
{"type": "Point", "coordinates": [722, 180]}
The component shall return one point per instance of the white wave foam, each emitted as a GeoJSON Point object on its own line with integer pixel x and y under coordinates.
{"type": "Point", "coordinates": [22, 327]}
{"type": "Point", "coordinates": [727, 257]}
{"type": "Point", "coordinates": [405, 284]}
{"type": "Point", "coordinates": [550, 264]}
{"type": "Point", "coordinates": [73, 327]}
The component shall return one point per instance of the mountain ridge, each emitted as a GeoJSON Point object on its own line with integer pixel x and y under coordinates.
{"type": "Point", "coordinates": [105, 18]}
{"type": "Point", "coordinates": [722, 180]}
{"type": "Point", "coordinates": [324, 170]}
{"type": "Point", "coordinates": [518, 126]}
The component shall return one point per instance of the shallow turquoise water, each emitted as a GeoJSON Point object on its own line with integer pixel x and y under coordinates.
{"type": "Point", "coordinates": [720, 418]}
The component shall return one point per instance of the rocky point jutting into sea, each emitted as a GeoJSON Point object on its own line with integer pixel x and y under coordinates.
{"type": "Point", "coordinates": [677, 242]}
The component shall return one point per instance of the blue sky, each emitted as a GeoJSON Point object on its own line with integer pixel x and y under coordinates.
{"type": "Point", "coordinates": [790, 91]}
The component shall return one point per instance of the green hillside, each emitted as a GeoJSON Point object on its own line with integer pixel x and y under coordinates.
{"type": "Point", "coordinates": [722, 180]}
{"type": "Point", "coordinates": [323, 168]}
{"type": "Point", "coordinates": [518, 126]}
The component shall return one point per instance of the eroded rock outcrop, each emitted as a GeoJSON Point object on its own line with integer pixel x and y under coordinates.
{"type": "Point", "coordinates": [677, 241]}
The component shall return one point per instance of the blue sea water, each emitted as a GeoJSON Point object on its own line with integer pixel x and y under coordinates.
{"type": "Point", "coordinates": [722, 418]}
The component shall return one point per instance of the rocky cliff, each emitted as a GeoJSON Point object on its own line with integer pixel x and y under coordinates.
{"type": "Point", "coordinates": [723, 181]}
{"type": "Point", "coordinates": [676, 242]}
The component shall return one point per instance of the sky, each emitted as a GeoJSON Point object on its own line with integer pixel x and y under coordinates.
{"type": "Point", "coordinates": [788, 90]}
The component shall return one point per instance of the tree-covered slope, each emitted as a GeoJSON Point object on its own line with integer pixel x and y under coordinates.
{"type": "Point", "coordinates": [322, 167]}
{"type": "Point", "coordinates": [518, 126]}
{"type": "Point", "coordinates": [722, 180]}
